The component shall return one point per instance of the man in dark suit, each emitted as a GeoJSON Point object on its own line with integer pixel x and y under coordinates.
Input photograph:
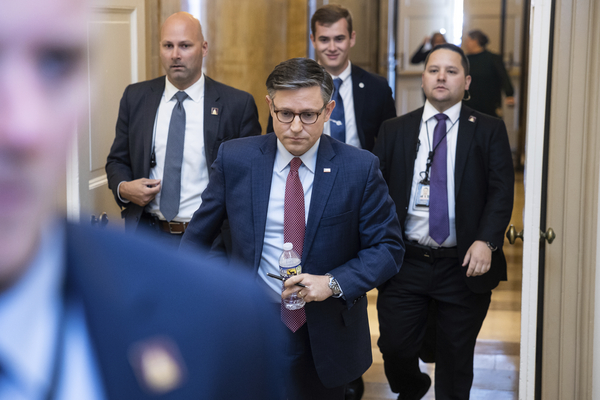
{"type": "Point", "coordinates": [366, 98]}
{"type": "Point", "coordinates": [139, 165]}
{"type": "Point", "coordinates": [85, 314]}
{"type": "Point", "coordinates": [345, 230]}
{"type": "Point", "coordinates": [449, 171]}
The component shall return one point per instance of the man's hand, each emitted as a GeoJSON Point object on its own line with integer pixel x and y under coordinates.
{"type": "Point", "coordinates": [140, 191]}
{"type": "Point", "coordinates": [478, 258]}
{"type": "Point", "coordinates": [317, 287]}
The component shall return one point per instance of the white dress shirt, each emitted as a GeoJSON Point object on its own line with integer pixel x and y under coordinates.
{"type": "Point", "coordinates": [417, 220]}
{"type": "Point", "coordinates": [348, 99]}
{"type": "Point", "coordinates": [194, 171]}
{"type": "Point", "coordinates": [273, 241]}
{"type": "Point", "coordinates": [30, 316]}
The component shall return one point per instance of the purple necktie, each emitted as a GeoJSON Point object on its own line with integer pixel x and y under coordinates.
{"type": "Point", "coordinates": [439, 226]}
{"type": "Point", "coordinates": [293, 232]}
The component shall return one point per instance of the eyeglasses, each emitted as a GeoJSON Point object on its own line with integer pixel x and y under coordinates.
{"type": "Point", "coordinates": [306, 117]}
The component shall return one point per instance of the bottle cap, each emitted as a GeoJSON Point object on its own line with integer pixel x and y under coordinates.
{"type": "Point", "coordinates": [287, 246]}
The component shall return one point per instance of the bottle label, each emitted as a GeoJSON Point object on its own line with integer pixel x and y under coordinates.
{"type": "Point", "coordinates": [288, 272]}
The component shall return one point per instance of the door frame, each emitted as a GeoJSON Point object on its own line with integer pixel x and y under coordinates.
{"type": "Point", "coordinates": [539, 51]}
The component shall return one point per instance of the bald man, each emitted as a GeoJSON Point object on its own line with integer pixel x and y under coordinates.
{"type": "Point", "coordinates": [140, 167]}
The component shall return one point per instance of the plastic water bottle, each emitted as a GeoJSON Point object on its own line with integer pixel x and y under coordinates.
{"type": "Point", "coordinates": [289, 265]}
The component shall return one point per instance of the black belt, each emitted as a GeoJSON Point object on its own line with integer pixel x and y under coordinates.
{"type": "Point", "coordinates": [428, 254]}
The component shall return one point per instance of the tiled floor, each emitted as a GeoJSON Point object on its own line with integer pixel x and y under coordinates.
{"type": "Point", "coordinates": [497, 350]}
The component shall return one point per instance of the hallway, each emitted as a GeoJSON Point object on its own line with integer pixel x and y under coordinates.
{"type": "Point", "coordinates": [497, 350]}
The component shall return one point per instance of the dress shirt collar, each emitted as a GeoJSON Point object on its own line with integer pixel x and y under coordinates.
{"type": "Point", "coordinates": [453, 112]}
{"type": "Point", "coordinates": [194, 92]}
{"type": "Point", "coordinates": [309, 159]}
{"type": "Point", "coordinates": [32, 308]}
{"type": "Point", "coordinates": [345, 73]}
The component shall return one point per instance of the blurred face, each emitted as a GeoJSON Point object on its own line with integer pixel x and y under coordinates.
{"type": "Point", "coordinates": [469, 45]}
{"type": "Point", "coordinates": [296, 136]}
{"type": "Point", "coordinates": [444, 81]}
{"type": "Point", "coordinates": [332, 45]}
{"type": "Point", "coordinates": [42, 82]}
{"type": "Point", "coordinates": [437, 38]}
{"type": "Point", "coordinates": [182, 48]}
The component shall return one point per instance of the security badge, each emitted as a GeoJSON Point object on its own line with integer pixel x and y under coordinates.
{"type": "Point", "coordinates": [158, 365]}
{"type": "Point", "coordinates": [422, 195]}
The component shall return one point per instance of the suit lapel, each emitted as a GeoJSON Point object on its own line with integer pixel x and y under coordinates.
{"type": "Point", "coordinates": [322, 186]}
{"type": "Point", "coordinates": [359, 100]}
{"type": "Point", "coordinates": [466, 132]}
{"type": "Point", "coordinates": [411, 138]}
{"type": "Point", "coordinates": [150, 108]}
{"type": "Point", "coordinates": [213, 109]}
{"type": "Point", "coordinates": [262, 176]}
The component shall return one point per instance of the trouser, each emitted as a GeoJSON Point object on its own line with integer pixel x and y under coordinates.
{"type": "Point", "coordinates": [402, 306]}
{"type": "Point", "coordinates": [301, 380]}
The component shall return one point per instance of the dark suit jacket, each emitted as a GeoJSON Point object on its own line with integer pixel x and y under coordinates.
{"type": "Point", "coordinates": [484, 181]}
{"type": "Point", "coordinates": [352, 232]}
{"type": "Point", "coordinates": [373, 104]}
{"type": "Point", "coordinates": [129, 156]}
{"type": "Point", "coordinates": [134, 292]}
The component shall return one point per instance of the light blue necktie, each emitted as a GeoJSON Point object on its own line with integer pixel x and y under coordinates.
{"type": "Point", "coordinates": [337, 121]}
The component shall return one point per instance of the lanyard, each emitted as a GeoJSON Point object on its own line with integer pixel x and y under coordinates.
{"type": "Point", "coordinates": [425, 174]}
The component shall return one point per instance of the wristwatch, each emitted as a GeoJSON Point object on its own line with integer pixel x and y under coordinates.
{"type": "Point", "coordinates": [491, 246]}
{"type": "Point", "coordinates": [334, 286]}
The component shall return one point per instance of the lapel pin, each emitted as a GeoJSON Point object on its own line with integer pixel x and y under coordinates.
{"type": "Point", "coordinates": [361, 85]}
{"type": "Point", "coordinates": [214, 111]}
{"type": "Point", "coordinates": [326, 169]}
{"type": "Point", "coordinates": [158, 365]}
{"type": "Point", "coordinates": [472, 118]}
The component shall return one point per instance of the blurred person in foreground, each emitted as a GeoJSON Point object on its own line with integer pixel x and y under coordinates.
{"type": "Point", "coordinates": [85, 314]}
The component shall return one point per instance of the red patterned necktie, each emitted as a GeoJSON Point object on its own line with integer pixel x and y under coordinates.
{"type": "Point", "coordinates": [293, 232]}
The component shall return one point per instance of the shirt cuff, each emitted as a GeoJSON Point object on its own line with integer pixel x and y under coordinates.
{"type": "Point", "coordinates": [122, 200]}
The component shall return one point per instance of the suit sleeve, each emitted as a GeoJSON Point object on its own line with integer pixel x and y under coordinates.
{"type": "Point", "coordinates": [507, 86]}
{"type": "Point", "coordinates": [389, 109]}
{"type": "Point", "coordinates": [206, 222]}
{"type": "Point", "coordinates": [380, 149]}
{"type": "Point", "coordinates": [419, 56]}
{"type": "Point", "coordinates": [249, 124]}
{"type": "Point", "coordinates": [500, 194]}
{"type": "Point", "coordinates": [118, 163]}
{"type": "Point", "coordinates": [382, 247]}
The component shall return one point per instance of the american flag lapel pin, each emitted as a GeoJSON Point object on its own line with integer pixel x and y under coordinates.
{"type": "Point", "coordinates": [472, 118]}
{"type": "Point", "coordinates": [158, 365]}
{"type": "Point", "coordinates": [326, 170]}
{"type": "Point", "coordinates": [214, 111]}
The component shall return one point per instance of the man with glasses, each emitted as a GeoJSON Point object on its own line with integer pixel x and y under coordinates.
{"type": "Point", "coordinates": [327, 198]}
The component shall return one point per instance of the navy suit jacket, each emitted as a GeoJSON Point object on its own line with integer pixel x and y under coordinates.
{"type": "Point", "coordinates": [134, 293]}
{"type": "Point", "coordinates": [484, 181]}
{"type": "Point", "coordinates": [129, 157]}
{"type": "Point", "coordinates": [373, 104]}
{"type": "Point", "coordinates": [352, 232]}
